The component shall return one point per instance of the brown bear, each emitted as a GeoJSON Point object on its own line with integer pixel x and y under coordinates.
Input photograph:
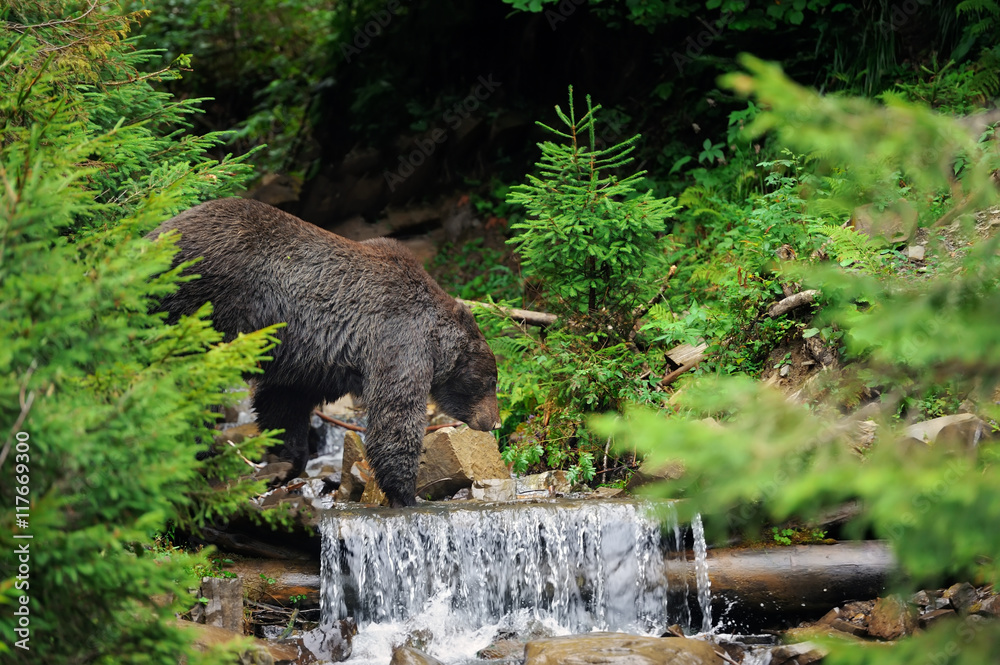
{"type": "Point", "coordinates": [362, 318]}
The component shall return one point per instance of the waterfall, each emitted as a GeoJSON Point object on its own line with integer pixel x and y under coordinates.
{"type": "Point", "coordinates": [701, 574]}
{"type": "Point", "coordinates": [574, 566]}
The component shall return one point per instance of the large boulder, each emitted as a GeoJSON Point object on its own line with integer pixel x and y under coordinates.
{"type": "Point", "coordinates": [455, 458]}
{"type": "Point", "coordinates": [619, 649]}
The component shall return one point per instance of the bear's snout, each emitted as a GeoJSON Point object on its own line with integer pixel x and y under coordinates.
{"type": "Point", "coordinates": [486, 415]}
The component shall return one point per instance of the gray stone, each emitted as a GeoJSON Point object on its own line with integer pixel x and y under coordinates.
{"type": "Point", "coordinates": [964, 429]}
{"type": "Point", "coordinates": [323, 466]}
{"type": "Point", "coordinates": [801, 653]}
{"type": "Point", "coordinates": [961, 596]}
{"type": "Point", "coordinates": [896, 223]}
{"type": "Point", "coordinates": [454, 458]}
{"type": "Point", "coordinates": [225, 602]}
{"type": "Point", "coordinates": [930, 618]}
{"type": "Point", "coordinates": [330, 642]}
{"type": "Point", "coordinates": [989, 606]}
{"type": "Point", "coordinates": [494, 489]}
{"type": "Point", "coordinates": [548, 483]}
{"type": "Point", "coordinates": [619, 649]}
{"type": "Point", "coordinates": [915, 252]}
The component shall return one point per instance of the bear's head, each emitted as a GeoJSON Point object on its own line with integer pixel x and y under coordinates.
{"type": "Point", "coordinates": [469, 390]}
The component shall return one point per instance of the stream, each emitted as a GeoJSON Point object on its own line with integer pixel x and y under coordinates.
{"type": "Point", "coordinates": [451, 577]}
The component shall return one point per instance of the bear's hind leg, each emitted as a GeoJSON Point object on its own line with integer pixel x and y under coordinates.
{"type": "Point", "coordinates": [283, 407]}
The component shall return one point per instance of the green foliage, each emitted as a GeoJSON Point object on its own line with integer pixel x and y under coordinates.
{"type": "Point", "coordinates": [114, 403]}
{"type": "Point", "coordinates": [589, 237]}
{"type": "Point", "coordinates": [775, 459]}
{"type": "Point", "coordinates": [592, 247]}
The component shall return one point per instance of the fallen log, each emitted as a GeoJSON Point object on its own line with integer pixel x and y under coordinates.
{"type": "Point", "coordinates": [791, 302]}
{"type": "Point", "coordinates": [802, 581]}
{"type": "Point", "coordinates": [526, 316]}
{"type": "Point", "coordinates": [750, 585]}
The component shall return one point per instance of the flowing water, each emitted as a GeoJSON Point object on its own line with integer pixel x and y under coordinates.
{"type": "Point", "coordinates": [456, 575]}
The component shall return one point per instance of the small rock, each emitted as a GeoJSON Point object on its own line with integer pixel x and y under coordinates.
{"type": "Point", "coordinates": [922, 598]}
{"type": "Point", "coordinates": [236, 434]}
{"type": "Point", "coordinates": [353, 478]}
{"type": "Point", "coordinates": [930, 618]}
{"type": "Point", "coordinates": [550, 482]}
{"type": "Point", "coordinates": [802, 653]}
{"type": "Point", "coordinates": [890, 619]}
{"type": "Point", "coordinates": [225, 602]}
{"type": "Point", "coordinates": [988, 607]}
{"type": "Point", "coordinates": [828, 618]}
{"type": "Point", "coordinates": [463, 494]}
{"type": "Point", "coordinates": [896, 223]}
{"type": "Point", "coordinates": [915, 252]}
{"type": "Point", "coordinates": [506, 650]}
{"type": "Point", "coordinates": [605, 648]}
{"type": "Point", "coordinates": [323, 466]}
{"type": "Point", "coordinates": [961, 596]}
{"type": "Point", "coordinates": [963, 429]}
{"type": "Point", "coordinates": [273, 471]}
{"type": "Point", "coordinates": [496, 489]}
{"type": "Point", "coordinates": [606, 493]}
{"type": "Point", "coordinates": [411, 656]}
{"type": "Point", "coordinates": [373, 494]}
{"type": "Point", "coordinates": [848, 627]}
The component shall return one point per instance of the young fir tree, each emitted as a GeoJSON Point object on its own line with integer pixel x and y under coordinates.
{"type": "Point", "coordinates": [103, 406]}
{"type": "Point", "coordinates": [590, 238]}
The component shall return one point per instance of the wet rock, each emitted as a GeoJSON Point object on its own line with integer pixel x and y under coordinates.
{"type": "Point", "coordinates": [891, 618]}
{"type": "Point", "coordinates": [353, 478]}
{"type": "Point", "coordinates": [619, 649]}
{"type": "Point", "coordinates": [848, 627]}
{"type": "Point", "coordinates": [454, 458]}
{"type": "Point", "coordinates": [548, 483]}
{"type": "Point", "coordinates": [923, 598]}
{"type": "Point", "coordinates": [506, 650]}
{"type": "Point", "coordinates": [323, 466]}
{"type": "Point", "coordinates": [224, 608]}
{"type": "Point", "coordinates": [961, 429]}
{"type": "Point", "coordinates": [990, 606]}
{"type": "Point", "coordinates": [236, 434]}
{"type": "Point", "coordinates": [928, 619]}
{"type": "Point", "coordinates": [961, 596]}
{"type": "Point", "coordinates": [606, 493]}
{"type": "Point", "coordinates": [801, 653]}
{"type": "Point", "coordinates": [329, 642]}
{"type": "Point", "coordinates": [411, 656]}
{"type": "Point", "coordinates": [495, 489]}
{"type": "Point", "coordinates": [273, 471]}
{"type": "Point", "coordinates": [373, 494]}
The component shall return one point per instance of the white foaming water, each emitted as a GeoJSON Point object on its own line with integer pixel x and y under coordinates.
{"type": "Point", "coordinates": [701, 574]}
{"type": "Point", "coordinates": [457, 575]}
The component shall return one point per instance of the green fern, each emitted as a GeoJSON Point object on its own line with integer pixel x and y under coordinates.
{"type": "Point", "coordinates": [852, 248]}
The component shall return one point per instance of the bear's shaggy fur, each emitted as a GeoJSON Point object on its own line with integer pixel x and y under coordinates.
{"type": "Point", "coordinates": [363, 318]}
